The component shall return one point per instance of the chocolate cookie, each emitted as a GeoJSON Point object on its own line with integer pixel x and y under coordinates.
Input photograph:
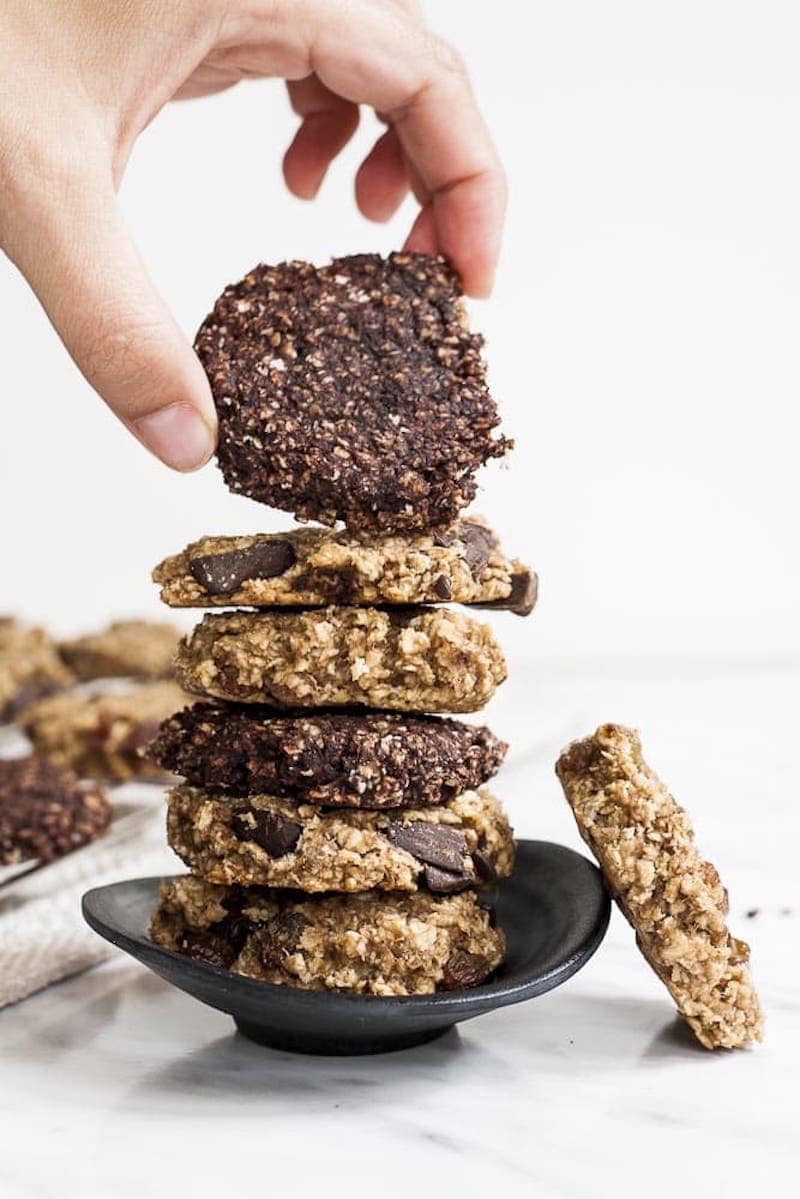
{"type": "Point", "coordinates": [136, 649]}
{"type": "Point", "coordinates": [45, 812]}
{"type": "Point", "coordinates": [351, 392]}
{"type": "Point", "coordinates": [374, 944]}
{"type": "Point", "coordinates": [675, 901]}
{"type": "Point", "coordinates": [30, 667]}
{"type": "Point", "coordinates": [403, 659]}
{"type": "Point", "coordinates": [312, 567]}
{"type": "Point", "coordinates": [266, 841]}
{"type": "Point", "coordinates": [370, 760]}
{"type": "Point", "coordinates": [103, 736]}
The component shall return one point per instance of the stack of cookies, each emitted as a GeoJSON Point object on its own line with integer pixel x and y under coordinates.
{"type": "Point", "coordinates": [337, 828]}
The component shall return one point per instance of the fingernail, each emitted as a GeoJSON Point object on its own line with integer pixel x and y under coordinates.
{"type": "Point", "coordinates": [177, 435]}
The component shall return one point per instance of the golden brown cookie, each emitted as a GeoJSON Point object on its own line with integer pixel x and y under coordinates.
{"type": "Point", "coordinates": [673, 898]}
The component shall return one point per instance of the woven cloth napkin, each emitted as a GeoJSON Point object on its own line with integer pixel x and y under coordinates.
{"type": "Point", "coordinates": [43, 936]}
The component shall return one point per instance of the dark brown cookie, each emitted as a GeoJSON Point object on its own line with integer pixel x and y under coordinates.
{"type": "Point", "coordinates": [45, 812]}
{"type": "Point", "coordinates": [351, 392]}
{"type": "Point", "coordinates": [374, 760]}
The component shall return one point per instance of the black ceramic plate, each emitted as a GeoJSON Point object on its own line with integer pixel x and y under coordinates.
{"type": "Point", "coordinates": [554, 911]}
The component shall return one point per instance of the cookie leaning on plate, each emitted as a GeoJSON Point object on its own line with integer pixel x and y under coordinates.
{"type": "Point", "coordinates": [367, 944]}
{"type": "Point", "coordinates": [672, 897]}
{"type": "Point", "coordinates": [273, 842]}
{"type": "Point", "coordinates": [335, 759]}
{"type": "Point", "coordinates": [403, 659]}
{"type": "Point", "coordinates": [313, 567]}
{"type": "Point", "coordinates": [351, 392]}
{"type": "Point", "coordinates": [46, 812]}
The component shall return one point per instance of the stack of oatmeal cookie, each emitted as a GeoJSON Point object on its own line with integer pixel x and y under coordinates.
{"type": "Point", "coordinates": [337, 827]}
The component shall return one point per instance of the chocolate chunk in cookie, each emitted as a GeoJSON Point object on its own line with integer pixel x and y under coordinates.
{"type": "Point", "coordinates": [335, 759]}
{"type": "Point", "coordinates": [265, 841]}
{"type": "Point", "coordinates": [351, 392]}
{"type": "Point", "coordinates": [46, 812]}
{"type": "Point", "coordinates": [307, 568]}
{"type": "Point", "coordinates": [675, 901]}
{"type": "Point", "coordinates": [371, 944]}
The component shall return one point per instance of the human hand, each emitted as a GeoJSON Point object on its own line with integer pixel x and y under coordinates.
{"type": "Point", "coordinates": [80, 81]}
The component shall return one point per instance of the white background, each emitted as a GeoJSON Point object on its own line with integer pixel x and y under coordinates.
{"type": "Point", "coordinates": [642, 336]}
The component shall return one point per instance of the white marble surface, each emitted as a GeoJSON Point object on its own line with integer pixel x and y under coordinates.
{"type": "Point", "coordinates": [115, 1086]}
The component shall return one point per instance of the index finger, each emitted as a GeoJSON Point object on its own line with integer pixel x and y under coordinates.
{"type": "Point", "coordinates": [419, 83]}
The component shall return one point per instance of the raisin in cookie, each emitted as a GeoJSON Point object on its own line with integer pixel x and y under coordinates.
{"type": "Point", "coordinates": [335, 759]}
{"type": "Point", "coordinates": [372, 944]}
{"type": "Point", "coordinates": [351, 392]}
{"type": "Point", "coordinates": [313, 567]}
{"type": "Point", "coordinates": [403, 659]}
{"type": "Point", "coordinates": [266, 841]}
{"type": "Point", "coordinates": [675, 901]}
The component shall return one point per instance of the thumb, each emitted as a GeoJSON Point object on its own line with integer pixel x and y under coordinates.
{"type": "Point", "coordinates": [80, 260]}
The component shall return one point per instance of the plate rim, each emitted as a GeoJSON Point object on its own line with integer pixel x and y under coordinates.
{"type": "Point", "coordinates": [494, 994]}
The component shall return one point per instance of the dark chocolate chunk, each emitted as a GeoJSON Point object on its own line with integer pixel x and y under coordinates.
{"type": "Point", "coordinates": [464, 969]}
{"type": "Point", "coordinates": [521, 600]}
{"type": "Point", "coordinates": [434, 844]}
{"type": "Point", "coordinates": [351, 392]}
{"type": "Point", "coordinates": [220, 574]}
{"type": "Point", "coordinates": [281, 937]}
{"type": "Point", "coordinates": [484, 866]}
{"type": "Point", "coordinates": [446, 882]}
{"type": "Point", "coordinates": [274, 832]}
{"type": "Point", "coordinates": [442, 587]}
{"type": "Point", "coordinates": [478, 542]}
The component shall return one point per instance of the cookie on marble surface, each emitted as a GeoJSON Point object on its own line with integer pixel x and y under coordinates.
{"type": "Point", "coordinates": [335, 759]}
{"type": "Point", "coordinates": [30, 667]}
{"type": "Point", "coordinates": [673, 898]}
{"type": "Point", "coordinates": [136, 649]}
{"type": "Point", "coordinates": [351, 392]}
{"type": "Point", "coordinates": [374, 943]}
{"type": "Point", "coordinates": [313, 567]}
{"type": "Point", "coordinates": [104, 736]}
{"type": "Point", "coordinates": [402, 659]}
{"type": "Point", "coordinates": [265, 841]}
{"type": "Point", "coordinates": [45, 812]}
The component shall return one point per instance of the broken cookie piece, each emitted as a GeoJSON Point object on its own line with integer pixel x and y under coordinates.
{"type": "Point", "coordinates": [351, 392]}
{"type": "Point", "coordinates": [30, 667]}
{"type": "Point", "coordinates": [370, 944]}
{"type": "Point", "coordinates": [463, 564]}
{"type": "Point", "coordinates": [266, 841]}
{"type": "Point", "coordinates": [673, 898]}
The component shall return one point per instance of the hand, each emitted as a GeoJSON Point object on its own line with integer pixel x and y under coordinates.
{"type": "Point", "coordinates": [80, 81]}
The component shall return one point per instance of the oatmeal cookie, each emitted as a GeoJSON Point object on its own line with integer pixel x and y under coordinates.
{"type": "Point", "coordinates": [103, 736]}
{"type": "Point", "coordinates": [351, 392]}
{"type": "Point", "coordinates": [313, 567]}
{"type": "Point", "coordinates": [403, 659]}
{"type": "Point", "coordinates": [373, 944]}
{"type": "Point", "coordinates": [30, 667]}
{"type": "Point", "coordinates": [136, 649]}
{"type": "Point", "coordinates": [45, 812]}
{"type": "Point", "coordinates": [335, 759]}
{"type": "Point", "coordinates": [273, 842]}
{"type": "Point", "coordinates": [675, 901]}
